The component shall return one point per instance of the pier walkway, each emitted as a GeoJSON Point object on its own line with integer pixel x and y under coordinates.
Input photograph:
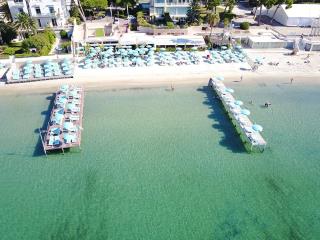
{"type": "Point", "coordinates": [65, 124]}
{"type": "Point", "coordinates": [250, 133]}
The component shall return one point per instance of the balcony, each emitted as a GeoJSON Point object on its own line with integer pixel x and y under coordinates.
{"type": "Point", "coordinates": [47, 15]}
{"type": "Point", "coordinates": [172, 4]}
{"type": "Point", "coordinates": [17, 3]}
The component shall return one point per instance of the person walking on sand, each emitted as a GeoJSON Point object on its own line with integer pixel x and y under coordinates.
{"type": "Point", "coordinates": [241, 78]}
{"type": "Point", "coordinates": [291, 80]}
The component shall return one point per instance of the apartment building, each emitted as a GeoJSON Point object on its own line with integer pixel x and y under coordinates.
{"type": "Point", "coordinates": [53, 13]}
{"type": "Point", "coordinates": [176, 8]}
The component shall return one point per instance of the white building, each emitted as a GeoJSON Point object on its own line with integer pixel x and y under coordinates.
{"type": "Point", "coordinates": [53, 13]}
{"type": "Point", "coordinates": [176, 8]}
{"type": "Point", "coordinates": [297, 15]}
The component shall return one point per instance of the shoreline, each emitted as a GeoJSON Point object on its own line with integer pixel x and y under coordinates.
{"type": "Point", "coordinates": [161, 76]}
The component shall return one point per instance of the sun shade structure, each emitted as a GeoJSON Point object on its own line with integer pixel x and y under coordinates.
{"type": "Point", "coordinates": [257, 127]}
{"type": "Point", "coordinates": [238, 102]}
{"type": "Point", "coordinates": [229, 90]}
{"type": "Point", "coordinates": [245, 112]}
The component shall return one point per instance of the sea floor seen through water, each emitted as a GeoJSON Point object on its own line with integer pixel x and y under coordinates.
{"type": "Point", "coordinates": [160, 164]}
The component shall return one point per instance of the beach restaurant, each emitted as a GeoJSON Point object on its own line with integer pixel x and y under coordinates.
{"type": "Point", "coordinates": [81, 38]}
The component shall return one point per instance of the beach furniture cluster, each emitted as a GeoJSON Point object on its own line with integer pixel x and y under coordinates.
{"type": "Point", "coordinates": [179, 57]}
{"type": "Point", "coordinates": [225, 55]}
{"type": "Point", "coordinates": [109, 57]}
{"type": "Point", "coordinates": [49, 69]}
{"type": "Point", "coordinates": [65, 124]}
{"type": "Point", "coordinates": [125, 56]}
{"type": "Point", "coordinates": [249, 132]}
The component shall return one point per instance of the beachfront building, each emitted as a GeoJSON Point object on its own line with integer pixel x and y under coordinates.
{"type": "Point", "coordinates": [107, 34]}
{"type": "Point", "coordinates": [176, 8]}
{"type": "Point", "coordinates": [144, 4]}
{"type": "Point", "coordinates": [302, 15]}
{"type": "Point", "coordinates": [53, 13]}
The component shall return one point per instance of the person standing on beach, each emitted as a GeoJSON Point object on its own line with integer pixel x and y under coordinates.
{"type": "Point", "coordinates": [172, 87]}
{"type": "Point", "coordinates": [291, 80]}
{"type": "Point", "coordinates": [241, 78]}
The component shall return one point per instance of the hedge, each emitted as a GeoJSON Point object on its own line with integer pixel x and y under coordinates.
{"type": "Point", "coordinates": [63, 34]}
{"type": "Point", "coordinates": [9, 51]}
{"type": "Point", "coordinates": [170, 25]}
{"type": "Point", "coordinates": [244, 25]}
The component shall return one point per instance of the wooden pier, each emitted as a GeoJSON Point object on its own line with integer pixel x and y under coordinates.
{"type": "Point", "coordinates": [252, 139]}
{"type": "Point", "coordinates": [65, 125]}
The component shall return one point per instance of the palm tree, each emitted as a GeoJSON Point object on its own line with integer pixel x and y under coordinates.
{"type": "Point", "coordinates": [212, 4]}
{"type": "Point", "coordinates": [4, 8]}
{"type": "Point", "coordinates": [213, 20]}
{"type": "Point", "coordinates": [126, 4]}
{"type": "Point", "coordinates": [25, 24]}
{"type": "Point", "coordinates": [230, 5]}
{"type": "Point", "coordinates": [78, 3]}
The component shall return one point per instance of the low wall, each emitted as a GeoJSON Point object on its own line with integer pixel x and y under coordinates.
{"type": "Point", "coordinates": [263, 43]}
{"type": "Point", "coordinates": [163, 31]}
{"type": "Point", "coordinates": [313, 47]}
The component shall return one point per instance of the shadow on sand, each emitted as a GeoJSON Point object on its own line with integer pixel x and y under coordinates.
{"type": "Point", "coordinates": [230, 139]}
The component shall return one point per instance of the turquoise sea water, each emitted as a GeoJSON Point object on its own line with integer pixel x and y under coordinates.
{"type": "Point", "coordinates": [157, 164]}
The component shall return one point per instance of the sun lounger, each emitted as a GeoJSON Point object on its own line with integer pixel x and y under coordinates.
{"type": "Point", "coordinates": [54, 141]}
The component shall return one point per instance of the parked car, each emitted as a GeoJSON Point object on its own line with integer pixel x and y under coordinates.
{"type": "Point", "coordinates": [130, 17]}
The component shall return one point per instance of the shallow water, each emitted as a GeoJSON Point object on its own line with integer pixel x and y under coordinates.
{"type": "Point", "coordinates": [157, 164]}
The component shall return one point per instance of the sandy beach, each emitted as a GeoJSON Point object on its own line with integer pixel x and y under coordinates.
{"type": "Point", "coordinates": [165, 76]}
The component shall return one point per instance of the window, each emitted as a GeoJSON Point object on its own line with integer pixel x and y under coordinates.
{"type": "Point", "coordinates": [51, 10]}
{"type": "Point", "coordinates": [54, 22]}
{"type": "Point", "coordinates": [38, 11]}
{"type": "Point", "coordinates": [20, 10]}
{"type": "Point", "coordinates": [159, 11]}
{"type": "Point", "coordinates": [39, 22]}
{"type": "Point", "coordinates": [18, 1]}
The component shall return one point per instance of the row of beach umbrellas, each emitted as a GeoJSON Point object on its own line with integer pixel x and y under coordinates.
{"type": "Point", "coordinates": [236, 106]}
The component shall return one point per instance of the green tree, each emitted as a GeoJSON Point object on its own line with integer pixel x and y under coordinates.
{"type": "Point", "coordinates": [193, 13]}
{"type": "Point", "coordinates": [213, 4]}
{"type": "Point", "coordinates": [41, 41]}
{"type": "Point", "coordinates": [279, 3]}
{"type": "Point", "coordinates": [7, 32]}
{"type": "Point", "coordinates": [89, 4]}
{"type": "Point", "coordinates": [25, 24]}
